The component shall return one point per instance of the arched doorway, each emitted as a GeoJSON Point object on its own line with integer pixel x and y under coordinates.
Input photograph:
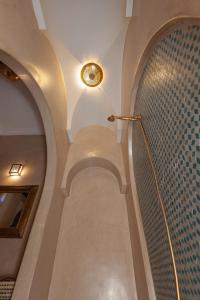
{"type": "Point", "coordinates": [36, 236]}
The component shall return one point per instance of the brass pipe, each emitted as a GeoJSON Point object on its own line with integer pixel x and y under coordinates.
{"type": "Point", "coordinates": [112, 118]}
{"type": "Point", "coordinates": [163, 212]}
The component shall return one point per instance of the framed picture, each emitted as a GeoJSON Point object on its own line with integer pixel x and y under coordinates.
{"type": "Point", "coordinates": [15, 208]}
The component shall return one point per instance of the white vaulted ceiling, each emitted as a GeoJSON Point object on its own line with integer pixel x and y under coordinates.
{"type": "Point", "coordinates": [81, 31]}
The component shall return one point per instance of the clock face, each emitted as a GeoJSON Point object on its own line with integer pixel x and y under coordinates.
{"type": "Point", "coordinates": [91, 74]}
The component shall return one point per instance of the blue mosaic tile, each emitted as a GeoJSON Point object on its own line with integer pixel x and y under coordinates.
{"type": "Point", "coordinates": [153, 222]}
{"type": "Point", "coordinates": [168, 98]}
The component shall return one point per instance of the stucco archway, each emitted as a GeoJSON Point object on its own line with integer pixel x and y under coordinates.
{"type": "Point", "coordinates": [29, 261]}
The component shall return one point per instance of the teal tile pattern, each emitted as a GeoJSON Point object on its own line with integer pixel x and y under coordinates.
{"type": "Point", "coordinates": [154, 226]}
{"type": "Point", "coordinates": [169, 100]}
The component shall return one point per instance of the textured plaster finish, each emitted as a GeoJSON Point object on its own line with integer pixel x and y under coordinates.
{"type": "Point", "coordinates": [31, 152]}
{"type": "Point", "coordinates": [30, 55]}
{"type": "Point", "coordinates": [95, 146]}
{"type": "Point", "coordinates": [93, 257]}
{"type": "Point", "coordinates": [98, 162]}
{"type": "Point", "coordinates": [150, 16]}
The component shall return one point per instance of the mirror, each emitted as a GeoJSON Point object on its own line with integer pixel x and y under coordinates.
{"type": "Point", "coordinates": [15, 207]}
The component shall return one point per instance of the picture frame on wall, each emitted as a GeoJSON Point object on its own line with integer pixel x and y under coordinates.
{"type": "Point", "coordinates": [16, 203]}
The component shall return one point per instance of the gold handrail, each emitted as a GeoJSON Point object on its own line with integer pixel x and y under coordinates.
{"type": "Point", "coordinates": [163, 212]}
{"type": "Point", "coordinates": [112, 118]}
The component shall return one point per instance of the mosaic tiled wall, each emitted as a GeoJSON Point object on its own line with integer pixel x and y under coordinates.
{"type": "Point", "coordinates": [169, 100]}
{"type": "Point", "coordinates": [154, 226]}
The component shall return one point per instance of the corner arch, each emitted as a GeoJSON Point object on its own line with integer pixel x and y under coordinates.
{"type": "Point", "coordinates": [94, 146]}
{"type": "Point", "coordinates": [94, 162]}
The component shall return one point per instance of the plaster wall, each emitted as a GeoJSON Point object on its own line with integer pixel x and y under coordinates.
{"type": "Point", "coordinates": [30, 55]}
{"type": "Point", "coordinates": [94, 146]}
{"type": "Point", "coordinates": [149, 17]}
{"type": "Point", "coordinates": [94, 236]}
{"type": "Point", "coordinates": [93, 256]}
{"type": "Point", "coordinates": [31, 152]}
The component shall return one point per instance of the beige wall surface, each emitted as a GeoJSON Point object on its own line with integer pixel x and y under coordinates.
{"type": "Point", "coordinates": [32, 57]}
{"type": "Point", "coordinates": [31, 152]}
{"type": "Point", "coordinates": [149, 17]}
{"type": "Point", "coordinates": [93, 257]}
{"type": "Point", "coordinates": [94, 146]}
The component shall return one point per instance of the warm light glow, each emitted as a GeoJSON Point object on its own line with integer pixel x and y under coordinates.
{"type": "Point", "coordinates": [77, 76]}
{"type": "Point", "coordinates": [92, 154]}
{"type": "Point", "coordinates": [114, 289]}
{"type": "Point", "coordinates": [16, 169]}
{"type": "Point", "coordinates": [78, 80]}
{"type": "Point", "coordinates": [91, 74]}
{"type": "Point", "coordinates": [161, 75]}
{"type": "Point", "coordinates": [39, 75]}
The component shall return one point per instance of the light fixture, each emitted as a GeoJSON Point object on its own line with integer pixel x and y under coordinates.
{"type": "Point", "coordinates": [92, 74]}
{"type": "Point", "coordinates": [6, 72]}
{"type": "Point", "coordinates": [16, 169]}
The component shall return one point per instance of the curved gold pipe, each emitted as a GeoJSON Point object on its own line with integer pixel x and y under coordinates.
{"type": "Point", "coordinates": [163, 212]}
{"type": "Point", "coordinates": [112, 118]}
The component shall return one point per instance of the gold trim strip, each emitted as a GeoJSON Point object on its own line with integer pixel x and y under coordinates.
{"type": "Point", "coordinates": [163, 212]}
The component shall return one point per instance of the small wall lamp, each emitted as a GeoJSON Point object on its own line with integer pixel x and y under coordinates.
{"type": "Point", "coordinates": [92, 74]}
{"type": "Point", "coordinates": [16, 169]}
